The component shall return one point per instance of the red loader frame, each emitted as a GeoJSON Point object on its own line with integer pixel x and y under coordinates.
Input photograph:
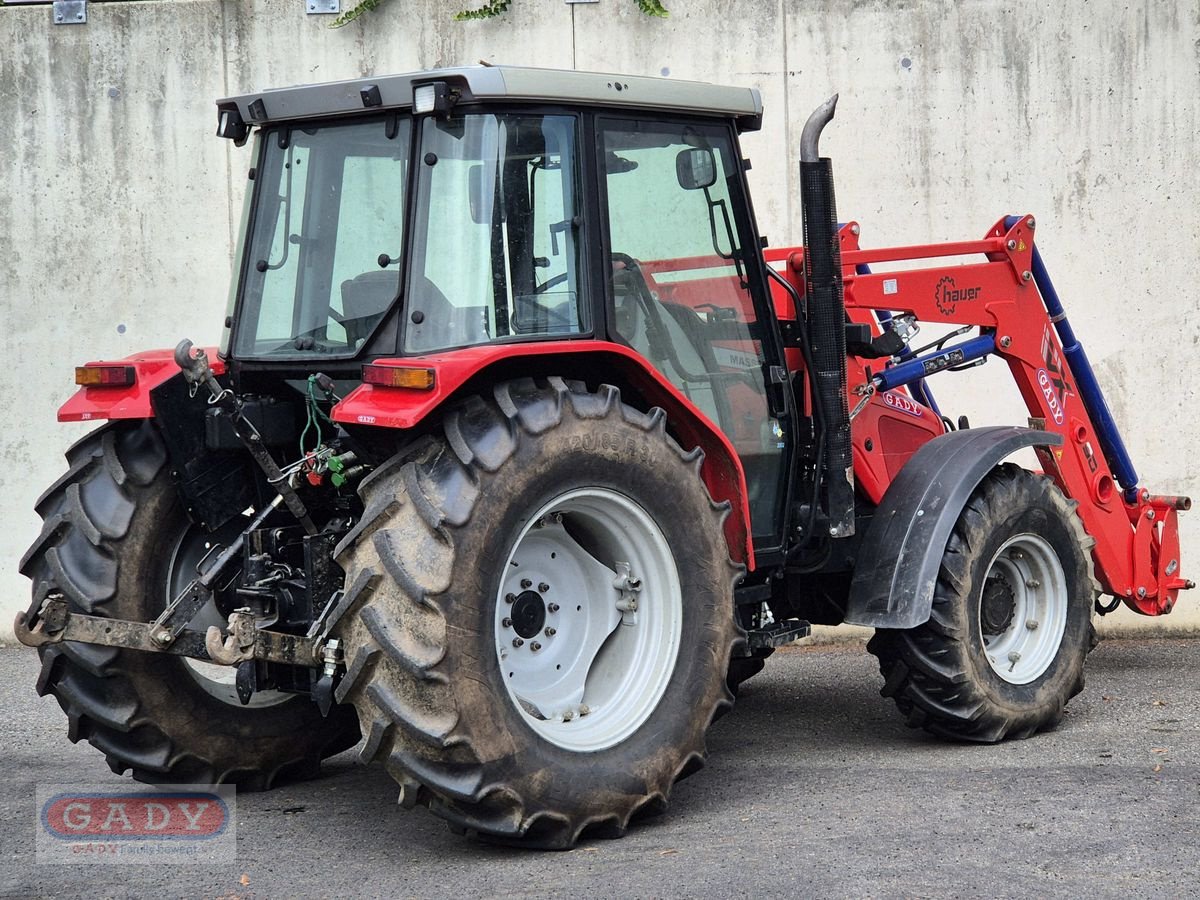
{"type": "Point", "coordinates": [1136, 533]}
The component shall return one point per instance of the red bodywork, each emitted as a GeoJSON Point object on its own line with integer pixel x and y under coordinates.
{"type": "Point", "coordinates": [151, 369]}
{"type": "Point", "coordinates": [403, 408]}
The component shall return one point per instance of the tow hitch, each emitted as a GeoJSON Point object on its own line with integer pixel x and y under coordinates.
{"type": "Point", "coordinates": [55, 623]}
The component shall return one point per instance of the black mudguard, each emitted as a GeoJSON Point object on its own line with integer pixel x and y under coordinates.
{"type": "Point", "coordinates": [902, 551]}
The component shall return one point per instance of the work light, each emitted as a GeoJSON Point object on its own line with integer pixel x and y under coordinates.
{"type": "Point", "coordinates": [432, 98]}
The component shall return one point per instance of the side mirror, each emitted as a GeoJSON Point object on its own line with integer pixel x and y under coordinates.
{"type": "Point", "coordinates": [696, 168]}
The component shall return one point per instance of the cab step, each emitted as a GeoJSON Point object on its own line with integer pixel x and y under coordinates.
{"type": "Point", "coordinates": [778, 633]}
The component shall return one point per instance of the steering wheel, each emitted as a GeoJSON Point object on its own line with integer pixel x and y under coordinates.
{"type": "Point", "coordinates": [553, 282]}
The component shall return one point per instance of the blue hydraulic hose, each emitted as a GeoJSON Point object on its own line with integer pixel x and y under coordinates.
{"type": "Point", "coordinates": [919, 387]}
{"type": "Point", "coordinates": [1090, 392]}
{"type": "Point", "coordinates": [948, 357]}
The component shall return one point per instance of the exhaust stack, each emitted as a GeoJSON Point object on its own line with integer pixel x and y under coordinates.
{"type": "Point", "coordinates": [827, 318]}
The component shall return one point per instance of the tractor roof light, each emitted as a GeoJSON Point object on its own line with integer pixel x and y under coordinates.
{"type": "Point", "coordinates": [105, 376]}
{"type": "Point", "coordinates": [231, 125]}
{"type": "Point", "coordinates": [412, 377]}
{"type": "Point", "coordinates": [432, 98]}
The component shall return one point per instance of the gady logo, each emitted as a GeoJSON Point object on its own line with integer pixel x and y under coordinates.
{"type": "Point", "coordinates": [1053, 383]}
{"type": "Point", "coordinates": [947, 296]}
{"type": "Point", "coordinates": [134, 816]}
{"type": "Point", "coordinates": [900, 403]}
{"type": "Point", "coordinates": [1047, 387]}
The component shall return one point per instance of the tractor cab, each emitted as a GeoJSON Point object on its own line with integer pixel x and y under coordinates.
{"type": "Point", "coordinates": [414, 216]}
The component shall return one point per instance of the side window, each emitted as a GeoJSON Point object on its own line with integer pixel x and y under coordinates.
{"type": "Point", "coordinates": [680, 288]}
{"type": "Point", "coordinates": [276, 323]}
{"type": "Point", "coordinates": [495, 254]}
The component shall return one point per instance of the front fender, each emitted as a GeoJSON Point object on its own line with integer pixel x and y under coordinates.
{"type": "Point", "coordinates": [902, 550]}
{"type": "Point", "coordinates": [393, 407]}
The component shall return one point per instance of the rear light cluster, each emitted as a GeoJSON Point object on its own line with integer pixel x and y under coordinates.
{"type": "Point", "coordinates": [412, 377]}
{"type": "Point", "coordinates": [105, 376]}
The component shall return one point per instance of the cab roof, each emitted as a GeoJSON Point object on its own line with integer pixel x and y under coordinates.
{"type": "Point", "coordinates": [498, 83]}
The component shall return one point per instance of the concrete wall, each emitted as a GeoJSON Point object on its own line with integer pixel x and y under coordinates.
{"type": "Point", "coordinates": [118, 207]}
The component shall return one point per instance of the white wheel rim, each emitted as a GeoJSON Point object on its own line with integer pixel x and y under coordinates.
{"type": "Point", "coordinates": [588, 619]}
{"type": "Point", "coordinates": [216, 680]}
{"type": "Point", "coordinates": [1021, 647]}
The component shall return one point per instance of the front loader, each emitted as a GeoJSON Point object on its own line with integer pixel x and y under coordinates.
{"type": "Point", "coordinates": [520, 453]}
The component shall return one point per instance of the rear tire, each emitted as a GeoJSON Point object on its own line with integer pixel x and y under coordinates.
{"type": "Point", "coordinates": [112, 528]}
{"type": "Point", "coordinates": [1011, 624]}
{"type": "Point", "coordinates": [443, 577]}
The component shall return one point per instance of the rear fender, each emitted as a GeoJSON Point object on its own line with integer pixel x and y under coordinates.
{"type": "Point", "coordinates": [152, 368]}
{"type": "Point", "coordinates": [391, 407]}
{"type": "Point", "coordinates": [902, 550]}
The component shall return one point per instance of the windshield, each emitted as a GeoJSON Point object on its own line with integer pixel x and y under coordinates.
{"type": "Point", "coordinates": [323, 259]}
{"type": "Point", "coordinates": [495, 250]}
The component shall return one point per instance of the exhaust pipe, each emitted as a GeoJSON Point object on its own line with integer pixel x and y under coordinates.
{"type": "Point", "coordinates": [827, 318]}
{"type": "Point", "coordinates": [810, 137]}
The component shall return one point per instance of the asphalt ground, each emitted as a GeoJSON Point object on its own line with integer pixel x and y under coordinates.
{"type": "Point", "coordinates": [814, 788]}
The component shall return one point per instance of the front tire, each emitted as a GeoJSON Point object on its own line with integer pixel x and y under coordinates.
{"type": "Point", "coordinates": [116, 542]}
{"type": "Point", "coordinates": [544, 496]}
{"type": "Point", "coordinates": [1011, 624]}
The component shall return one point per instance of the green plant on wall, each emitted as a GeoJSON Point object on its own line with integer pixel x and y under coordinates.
{"type": "Point", "coordinates": [488, 10]}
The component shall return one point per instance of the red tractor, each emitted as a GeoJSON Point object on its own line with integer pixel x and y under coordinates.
{"type": "Point", "coordinates": [519, 454]}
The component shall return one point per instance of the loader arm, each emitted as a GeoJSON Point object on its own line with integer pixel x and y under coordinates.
{"type": "Point", "coordinates": [1012, 301]}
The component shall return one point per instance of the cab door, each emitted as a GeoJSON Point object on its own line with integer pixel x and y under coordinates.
{"type": "Point", "coordinates": [686, 288]}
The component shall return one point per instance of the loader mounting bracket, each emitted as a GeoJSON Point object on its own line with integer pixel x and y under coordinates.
{"type": "Point", "coordinates": [900, 556]}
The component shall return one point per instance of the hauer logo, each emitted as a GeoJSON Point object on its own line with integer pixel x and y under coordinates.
{"type": "Point", "coordinates": [123, 816]}
{"type": "Point", "coordinates": [1051, 396]}
{"type": "Point", "coordinates": [900, 403]}
{"type": "Point", "coordinates": [947, 295]}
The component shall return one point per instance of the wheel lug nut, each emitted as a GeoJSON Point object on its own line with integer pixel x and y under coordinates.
{"type": "Point", "coordinates": [553, 607]}
{"type": "Point", "coordinates": [1032, 624]}
{"type": "Point", "coordinates": [510, 598]}
{"type": "Point", "coordinates": [517, 642]}
{"type": "Point", "coordinates": [543, 587]}
{"type": "Point", "coordinates": [507, 622]}
{"type": "Point", "coordinates": [526, 583]}
{"type": "Point", "coordinates": [1033, 584]}
{"type": "Point", "coordinates": [535, 646]}
{"type": "Point", "coordinates": [551, 632]}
